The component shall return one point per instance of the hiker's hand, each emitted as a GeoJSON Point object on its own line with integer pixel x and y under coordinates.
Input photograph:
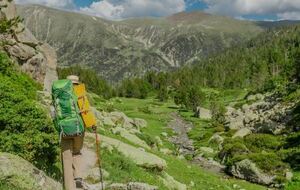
{"type": "Point", "coordinates": [94, 128]}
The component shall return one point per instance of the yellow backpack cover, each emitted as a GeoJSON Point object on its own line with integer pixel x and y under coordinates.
{"type": "Point", "coordinates": [87, 115]}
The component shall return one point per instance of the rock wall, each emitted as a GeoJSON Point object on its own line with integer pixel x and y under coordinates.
{"type": "Point", "coordinates": [35, 58]}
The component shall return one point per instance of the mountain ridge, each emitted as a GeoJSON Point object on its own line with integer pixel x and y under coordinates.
{"type": "Point", "coordinates": [118, 49]}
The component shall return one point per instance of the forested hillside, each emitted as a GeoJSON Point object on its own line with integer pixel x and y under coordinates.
{"type": "Point", "coordinates": [267, 62]}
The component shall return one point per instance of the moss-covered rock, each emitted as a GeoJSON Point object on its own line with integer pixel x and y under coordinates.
{"type": "Point", "coordinates": [19, 173]}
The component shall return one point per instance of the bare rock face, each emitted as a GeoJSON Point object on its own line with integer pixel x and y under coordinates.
{"type": "Point", "coordinates": [37, 59]}
{"type": "Point", "coordinates": [8, 9]}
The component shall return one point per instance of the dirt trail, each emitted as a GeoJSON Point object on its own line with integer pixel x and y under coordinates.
{"type": "Point", "coordinates": [89, 163]}
{"type": "Point", "coordinates": [181, 128]}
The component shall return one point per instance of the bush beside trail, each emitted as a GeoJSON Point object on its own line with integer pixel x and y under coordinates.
{"type": "Point", "coordinates": [25, 128]}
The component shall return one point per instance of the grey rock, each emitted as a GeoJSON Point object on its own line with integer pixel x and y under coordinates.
{"type": "Point", "coordinates": [171, 183]}
{"type": "Point", "coordinates": [51, 58]}
{"type": "Point", "coordinates": [94, 174]}
{"type": "Point", "coordinates": [203, 113]}
{"type": "Point", "coordinates": [216, 138]}
{"type": "Point", "coordinates": [21, 51]}
{"type": "Point", "coordinates": [207, 150]}
{"type": "Point", "coordinates": [8, 9]}
{"type": "Point", "coordinates": [36, 67]}
{"type": "Point", "coordinates": [108, 121]}
{"type": "Point", "coordinates": [141, 158]}
{"type": "Point", "coordinates": [166, 151]}
{"type": "Point", "coordinates": [23, 175]}
{"type": "Point", "coordinates": [130, 137]}
{"type": "Point", "coordinates": [140, 186]}
{"type": "Point", "coordinates": [140, 123]}
{"type": "Point", "coordinates": [247, 170]}
{"type": "Point", "coordinates": [27, 38]}
{"type": "Point", "coordinates": [242, 133]}
{"type": "Point", "coordinates": [117, 186]}
{"type": "Point", "coordinates": [289, 176]}
{"type": "Point", "coordinates": [209, 164]}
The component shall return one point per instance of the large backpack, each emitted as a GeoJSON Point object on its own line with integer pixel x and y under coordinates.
{"type": "Point", "coordinates": [67, 119]}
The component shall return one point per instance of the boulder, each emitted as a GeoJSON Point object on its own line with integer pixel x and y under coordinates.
{"type": "Point", "coordinates": [250, 117]}
{"type": "Point", "coordinates": [140, 186]}
{"type": "Point", "coordinates": [26, 37]}
{"type": "Point", "coordinates": [121, 118]}
{"type": "Point", "coordinates": [21, 51]}
{"type": "Point", "coordinates": [171, 183]}
{"type": "Point", "coordinates": [247, 170]}
{"type": "Point", "coordinates": [36, 67]}
{"type": "Point", "coordinates": [23, 175]}
{"type": "Point", "coordinates": [130, 137]}
{"type": "Point", "coordinates": [141, 158]}
{"type": "Point", "coordinates": [209, 164]}
{"type": "Point", "coordinates": [216, 138]}
{"type": "Point", "coordinates": [289, 176]}
{"type": "Point", "coordinates": [94, 175]}
{"type": "Point", "coordinates": [117, 186]}
{"type": "Point", "coordinates": [166, 151]}
{"type": "Point", "coordinates": [242, 133]}
{"type": "Point", "coordinates": [140, 123]}
{"type": "Point", "coordinates": [203, 113]}
{"type": "Point", "coordinates": [234, 119]}
{"type": "Point", "coordinates": [132, 186]}
{"type": "Point", "coordinates": [108, 121]}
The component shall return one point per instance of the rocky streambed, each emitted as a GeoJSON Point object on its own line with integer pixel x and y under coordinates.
{"type": "Point", "coordinates": [185, 145]}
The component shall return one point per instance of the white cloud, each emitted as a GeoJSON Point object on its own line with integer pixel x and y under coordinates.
{"type": "Point", "coordinates": [64, 4]}
{"type": "Point", "coordinates": [119, 9]}
{"type": "Point", "coordinates": [289, 16]}
{"type": "Point", "coordinates": [284, 9]}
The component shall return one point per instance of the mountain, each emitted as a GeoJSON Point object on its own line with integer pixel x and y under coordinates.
{"type": "Point", "coordinates": [118, 49]}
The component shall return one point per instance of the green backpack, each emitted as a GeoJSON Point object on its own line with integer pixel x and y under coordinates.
{"type": "Point", "coordinates": [67, 119]}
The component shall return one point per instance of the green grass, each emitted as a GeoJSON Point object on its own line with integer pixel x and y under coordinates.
{"type": "Point", "coordinates": [123, 170]}
{"type": "Point", "coordinates": [157, 115]}
{"type": "Point", "coordinates": [295, 183]}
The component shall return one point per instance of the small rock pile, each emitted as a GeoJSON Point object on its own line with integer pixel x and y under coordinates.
{"type": "Point", "coordinates": [267, 115]}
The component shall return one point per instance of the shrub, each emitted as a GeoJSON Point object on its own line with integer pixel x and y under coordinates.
{"type": "Point", "coordinates": [259, 142]}
{"type": "Point", "coordinates": [25, 129]}
{"type": "Point", "coordinates": [147, 138]}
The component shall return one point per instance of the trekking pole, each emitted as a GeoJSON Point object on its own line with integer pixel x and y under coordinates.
{"type": "Point", "coordinates": [98, 157]}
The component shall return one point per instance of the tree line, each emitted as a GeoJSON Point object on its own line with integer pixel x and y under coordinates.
{"type": "Point", "coordinates": [269, 61]}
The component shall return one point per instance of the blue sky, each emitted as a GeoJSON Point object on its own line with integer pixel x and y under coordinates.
{"type": "Point", "coordinates": [122, 9]}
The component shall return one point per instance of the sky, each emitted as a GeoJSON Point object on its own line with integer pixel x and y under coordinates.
{"type": "Point", "coordinates": [122, 9]}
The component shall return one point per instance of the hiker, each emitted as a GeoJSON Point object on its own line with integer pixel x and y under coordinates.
{"type": "Point", "coordinates": [71, 145]}
{"type": "Point", "coordinates": [72, 114]}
